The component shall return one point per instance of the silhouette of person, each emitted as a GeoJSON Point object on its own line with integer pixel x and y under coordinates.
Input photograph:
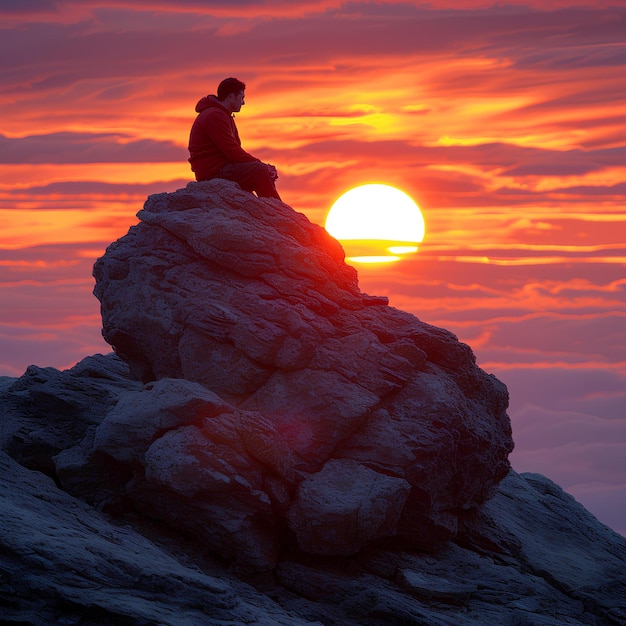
{"type": "Point", "coordinates": [215, 148]}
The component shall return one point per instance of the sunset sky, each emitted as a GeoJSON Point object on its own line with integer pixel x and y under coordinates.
{"type": "Point", "coordinates": [506, 122]}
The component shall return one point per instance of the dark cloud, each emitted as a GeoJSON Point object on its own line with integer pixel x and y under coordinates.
{"type": "Point", "coordinates": [514, 158]}
{"type": "Point", "coordinates": [97, 188]}
{"type": "Point", "coordinates": [27, 7]}
{"type": "Point", "coordinates": [618, 191]}
{"type": "Point", "coordinates": [565, 162]}
{"type": "Point", "coordinates": [355, 31]}
{"type": "Point", "coordinates": [68, 147]}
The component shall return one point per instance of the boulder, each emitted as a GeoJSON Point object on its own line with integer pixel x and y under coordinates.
{"type": "Point", "coordinates": [273, 385]}
{"type": "Point", "coordinates": [529, 555]}
{"type": "Point", "coordinates": [62, 562]}
{"type": "Point", "coordinates": [58, 409]}
{"type": "Point", "coordinates": [345, 505]}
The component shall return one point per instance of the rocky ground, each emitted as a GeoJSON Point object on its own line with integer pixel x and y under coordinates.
{"type": "Point", "coordinates": [269, 445]}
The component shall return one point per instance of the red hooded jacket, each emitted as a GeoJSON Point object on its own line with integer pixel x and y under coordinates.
{"type": "Point", "coordinates": [214, 140]}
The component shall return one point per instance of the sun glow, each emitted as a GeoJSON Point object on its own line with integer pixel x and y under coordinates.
{"type": "Point", "coordinates": [376, 223]}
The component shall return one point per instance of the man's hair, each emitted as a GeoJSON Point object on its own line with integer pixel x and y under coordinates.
{"type": "Point", "coordinates": [228, 86]}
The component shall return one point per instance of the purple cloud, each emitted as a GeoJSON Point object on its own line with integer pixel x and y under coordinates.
{"type": "Point", "coordinates": [81, 188]}
{"type": "Point", "coordinates": [68, 147]}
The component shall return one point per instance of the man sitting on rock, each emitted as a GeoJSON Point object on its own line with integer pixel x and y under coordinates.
{"type": "Point", "coordinates": [215, 147]}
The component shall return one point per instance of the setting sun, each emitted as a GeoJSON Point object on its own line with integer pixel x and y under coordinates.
{"type": "Point", "coordinates": [376, 223]}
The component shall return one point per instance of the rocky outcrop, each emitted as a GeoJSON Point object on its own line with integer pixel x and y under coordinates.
{"type": "Point", "coordinates": [529, 555]}
{"type": "Point", "coordinates": [272, 446]}
{"type": "Point", "coordinates": [282, 407]}
{"type": "Point", "coordinates": [62, 562]}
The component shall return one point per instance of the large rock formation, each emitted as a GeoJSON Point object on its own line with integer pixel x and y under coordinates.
{"type": "Point", "coordinates": [529, 555]}
{"type": "Point", "coordinates": [346, 460]}
{"type": "Point", "coordinates": [281, 401]}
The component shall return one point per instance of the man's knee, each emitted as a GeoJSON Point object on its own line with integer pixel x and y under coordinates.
{"type": "Point", "coordinates": [260, 170]}
{"type": "Point", "coordinates": [251, 176]}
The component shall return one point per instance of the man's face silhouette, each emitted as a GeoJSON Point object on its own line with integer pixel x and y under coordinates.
{"type": "Point", "coordinates": [234, 101]}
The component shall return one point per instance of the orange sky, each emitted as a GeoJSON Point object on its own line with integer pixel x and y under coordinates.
{"type": "Point", "coordinates": [504, 122]}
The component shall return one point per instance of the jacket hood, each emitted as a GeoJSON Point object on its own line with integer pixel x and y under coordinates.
{"type": "Point", "coordinates": [208, 102]}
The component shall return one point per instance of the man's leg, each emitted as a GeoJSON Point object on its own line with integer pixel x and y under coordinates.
{"type": "Point", "coordinates": [252, 176]}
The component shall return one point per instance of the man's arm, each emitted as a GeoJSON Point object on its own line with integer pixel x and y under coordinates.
{"type": "Point", "coordinates": [222, 132]}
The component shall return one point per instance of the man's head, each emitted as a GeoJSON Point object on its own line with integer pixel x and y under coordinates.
{"type": "Point", "coordinates": [230, 92]}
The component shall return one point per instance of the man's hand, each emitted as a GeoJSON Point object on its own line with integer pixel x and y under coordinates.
{"type": "Point", "coordinates": [273, 171]}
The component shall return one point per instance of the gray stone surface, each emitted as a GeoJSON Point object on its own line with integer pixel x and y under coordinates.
{"type": "Point", "coordinates": [533, 556]}
{"type": "Point", "coordinates": [296, 453]}
{"type": "Point", "coordinates": [62, 562]}
{"type": "Point", "coordinates": [254, 303]}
